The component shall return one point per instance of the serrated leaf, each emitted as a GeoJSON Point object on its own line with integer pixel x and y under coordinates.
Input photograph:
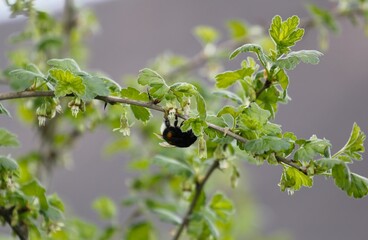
{"type": "Point", "coordinates": [238, 29]}
{"type": "Point", "coordinates": [67, 83]}
{"type": "Point", "coordinates": [22, 79]}
{"type": "Point", "coordinates": [221, 206]}
{"type": "Point", "coordinates": [95, 86]}
{"type": "Point", "coordinates": [354, 147]}
{"type": "Point", "coordinates": [141, 113]}
{"type": "Point", "coordinates": [3, 110]}
{"type": "Point", "coordinates": [66, 64]}
{"type": "Point", "coordinates": [229, 95]}
{"type": "Point", "coordinates": [206, 34]}
{"type": "Point", "coordinates": [35, 189]}
{"type": "Point", "coordinates": [184, 88]}
{"type": "Point", "coordinates": [342, 176]}
{"type": "Point", "coordinates": [7, 139]}
{"type": "Point", "coordinates": [174, 166]}
{"type": "Point", "coordinates": [292, 180]}
{"type": "Point", "coordinates": [310, 148]}
{"type": "Point", "coordinates": [257, 49]}
{"type": "Point", "coordinates": [105, 207]}
{"type": "Point", "coordinates": [267, 144]}
{"type": "Point", "coordinates": [254, 117]}
{"type": "Point", "coordinates": [358, 186]}
{"type": "Point", "coordinates": [8, 164]}
{"type": "Point", "coordinates": [158, 88]}
{"type": "Point", "coordinates": [292, 59]}
{"type": "Point", "coordinates": [232, 111]}
{"type": "Point", "coordinates": [226, 79]}
{"type": "Point", "coordinates": [285, 33]}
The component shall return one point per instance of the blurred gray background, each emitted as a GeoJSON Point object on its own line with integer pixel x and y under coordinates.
{"type": "Point", "coordinates": [326, 100]}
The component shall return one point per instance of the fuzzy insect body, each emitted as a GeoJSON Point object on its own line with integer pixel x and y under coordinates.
{"type": "Point", "coordinates": [176, 137]}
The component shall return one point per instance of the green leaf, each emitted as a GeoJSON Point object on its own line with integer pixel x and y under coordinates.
{"type": "Point", "coordinates": [196, 124]}
{"type": "Point", "coordinates": [257, 49]}
{"type": "Point", "coordinates": [358, 187]}
{"type": "Point", "coordinates": [174, 166]}
{"type": "Point", "coordinates": [53, 214]}
{"type": "Point", "coordinates": [238, 29]}
{"type": "Point", "coordinates": [201, 106]}
{"type": "Point", "coordinates": [35, 189]}
{"type": "Point", "coordinates": [342, 176]}
{"type": "Point", "coordinates": [229, 95]}
{"type": "Point", "coordinates": [105, 207]}
{"type": "Point", "coordinates": [221, 206]}
{"type": "Point", "coordinates": [3, 110]}
{"type": "Point", "coordinates": [232, 111]}
{"type": "Point", "coordinates": [323, 17]}
{"type": "Point", "coordinates": [184, 88]}
{"type": "Point", "coordinates": [7, 139]}
{"type": "Point", "coordinates": [285, 33]}
{"type": "Point", "coordinates": [267, 144]}
{"type": "Point", "coordinates": [8, 164]}
{"type": "Point", "coordinates": [226, 79]}
{"type": "Point", "coordinates": [310, 148]}
{"type": "Point", "coordinates": [140, 231]}
{"type": "Point", "coordinates": [167, 215]}
{"type": "Point", "coordinates": [66, 64]}
{"type": "Point", "coordinates": [140, 113]}
{"type": "Point", "coordinates": [254, 117]}
{"type": "Point", "coordinates": [95, 86]}
{"type": "Point", "coordinates": [292, 180]}
{"type": "Point", "coordinates": [67, 83]}
{"type": "Point", "coordinates": [292, 59]}
{"type": "Point", "coordinates": [354, 147]}
{"type": "Point", "coordinates": [283, 79]}
{"type": "Point", "coordinates": [206, 34]}
{"type": "Point", "coordinates": [158, 88]}
{"type": "Point", "coordinates": [22, 79]}
{"type": "Point", "coordinates": [54, 200]}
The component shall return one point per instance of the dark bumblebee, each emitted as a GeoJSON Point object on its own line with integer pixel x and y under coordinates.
{"type": "Point", "coordinates": [174, 136]}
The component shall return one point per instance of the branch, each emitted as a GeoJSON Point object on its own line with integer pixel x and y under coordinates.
{"type": "Point", "coordinates": [150, 105]}
{"type": "Point", "coordinates": [20, 229]}
{"type": "Point", "coordinates": [198, 190]}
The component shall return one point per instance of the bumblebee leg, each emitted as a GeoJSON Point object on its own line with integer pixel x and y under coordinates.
{"type": "Point", "coordinates": [176, 121]}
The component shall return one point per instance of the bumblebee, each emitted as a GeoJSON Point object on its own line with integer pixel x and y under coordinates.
{"type": "Point", "coordinates": [173, 135]}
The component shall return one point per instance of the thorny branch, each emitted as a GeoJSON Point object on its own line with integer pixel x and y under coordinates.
{"type": "Point", "coordinates": [150, 105]}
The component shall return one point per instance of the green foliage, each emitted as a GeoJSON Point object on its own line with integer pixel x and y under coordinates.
{"type": "Point", "coordinates": [354, 147]}
{"type": "Point", "coordinates": [292, 59]}
{"type": "Point", "coordinates": [206, 34]}
{"type": "Point", "coordinates": [285, 33]}
{"type": "Point", "coordinates": [310, 148]}
{"type": "Point", "coordinates": [233, 122]}
{"type": "Point", "coordinates": [105, 207]}
{"type": "Point", "coordinates": [8, 139]}
{"type": "Point", "coordinates": [292, 180]}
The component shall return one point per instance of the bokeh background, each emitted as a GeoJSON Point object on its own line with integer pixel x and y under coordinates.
{"type": "Point", "coordinates": [326, 100]}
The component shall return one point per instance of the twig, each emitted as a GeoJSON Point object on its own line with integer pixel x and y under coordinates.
{"type": "Point", "coordinates": [20, 229]}
{"type": "Point", "coordinates": [150, 105]}
{"type": "Point", "coordinates": [198, 190]}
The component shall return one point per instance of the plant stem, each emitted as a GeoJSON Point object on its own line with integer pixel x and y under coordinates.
{"type": "Point", "coordinates": [198, 190]}
{"type": "Point", "coordinates": [20, 229]}
{"type": "Point", "coordinates": [150, 105]}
